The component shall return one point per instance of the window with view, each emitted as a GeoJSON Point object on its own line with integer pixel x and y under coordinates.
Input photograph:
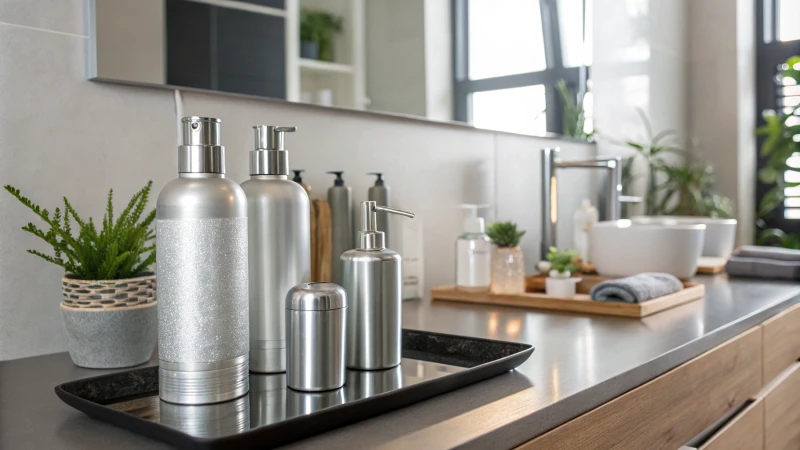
{"type": "Point", "coordinates": [506, 77]}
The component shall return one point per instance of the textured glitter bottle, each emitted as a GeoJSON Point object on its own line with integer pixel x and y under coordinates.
{"type": "Point", "coordinates": [201, 237]}
{"type": "Point", "coordinates": [280, 245]}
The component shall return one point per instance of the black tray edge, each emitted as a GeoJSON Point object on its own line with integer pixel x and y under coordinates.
{"type": "Point", "coordinates": [322, 421]}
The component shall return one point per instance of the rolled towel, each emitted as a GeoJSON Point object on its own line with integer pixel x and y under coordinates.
{"type": "Point", "coordinates": [773, 269]}
{"type": "Point", "coordinates": [637, 288]}
{"type": "Point", "coordinates": [774, 253]}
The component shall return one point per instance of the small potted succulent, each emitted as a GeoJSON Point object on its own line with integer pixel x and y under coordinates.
{"type": "Point", "coordinates": [508, 264]}
{"type": "Point", "coordinates": [316, 34]}
{"type": "Point", "coordinates": [560, 266]}
{"type": "Point", "coordinates": [108, 304]}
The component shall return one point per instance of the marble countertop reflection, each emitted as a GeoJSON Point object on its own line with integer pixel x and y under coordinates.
{"type": "Point", "coordinates": [580, 362]}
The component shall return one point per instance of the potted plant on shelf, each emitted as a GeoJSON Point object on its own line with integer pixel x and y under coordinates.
{"type": "Point", "coordinates": [508, 264]}
{"type": "Point", "coordinates": [316, 34]}
{"type": "Point", "coordinates": [108, 304]}
{"type": "Point", "coordinates": [560, 266]}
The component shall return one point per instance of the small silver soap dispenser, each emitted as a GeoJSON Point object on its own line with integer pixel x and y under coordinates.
{"type": "Point", "coordinates": [372, 279]}
{"type": "Point", "coordinates": [201, 235]}
{"type": "Point", "coordinates": [279, 236]}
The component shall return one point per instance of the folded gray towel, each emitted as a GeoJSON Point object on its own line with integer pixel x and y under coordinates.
{"type": "Point", "coordinates": [637, 288]}
{"type": "Point", "coordinates": [775, 253]}
{"type": "Point", "coordinates": [740, 266]}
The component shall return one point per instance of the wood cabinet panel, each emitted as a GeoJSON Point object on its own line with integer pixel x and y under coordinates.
{"type": "Point", "coordinates": [781, 342]}
{"type": "Point", "coordinates": [668, 411]}
{"type": "Point", "coordinates": [782, 411]}
{"type": "Point", "coordinates": [743, 432]}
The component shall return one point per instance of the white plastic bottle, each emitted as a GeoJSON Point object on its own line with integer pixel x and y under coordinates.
{"type": "Point", "coordinates": [473, 254]}
{"type": "Point", "coordinates": [582, 222]}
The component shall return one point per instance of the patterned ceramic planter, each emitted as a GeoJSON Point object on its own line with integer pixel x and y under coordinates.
{"type": "Point", "coordinates": [110, 323]}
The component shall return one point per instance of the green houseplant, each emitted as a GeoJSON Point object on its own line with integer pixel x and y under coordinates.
{"type": "Point", "coordinates": [685, 188]}
{"type": "Point", "coordinates": [573, 118]}
{"type": "Point", "coordinates": [560, 266]}
{"type": "Point", "coordinates": [316, 34]}
{"type": "Point", "coordinates": [108, 295]}
{"type": "Point", "coordinates": [781, 133]}
{"type": "Point", "coordinates": [508, 263]}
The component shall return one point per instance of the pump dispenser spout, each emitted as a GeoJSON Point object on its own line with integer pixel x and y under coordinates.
{"type": "Point", "coordinates": [339, 181]}
{"type": "Point", "coordinates": [370, 238]}
{"type": "Point", "coordinates": [379, 181]}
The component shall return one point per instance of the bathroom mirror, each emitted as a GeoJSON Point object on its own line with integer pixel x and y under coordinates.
{"type": "Point", "coordinates": [493, 64]}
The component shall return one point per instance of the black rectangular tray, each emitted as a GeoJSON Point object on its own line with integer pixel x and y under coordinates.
{"type": "Point", "coordinates": [272, 415]}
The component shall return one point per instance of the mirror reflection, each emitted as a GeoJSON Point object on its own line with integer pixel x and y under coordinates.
{"type": "Point", "coordinates": [440, 60]}
{"type": "Point", "coordinates": [270, 401]}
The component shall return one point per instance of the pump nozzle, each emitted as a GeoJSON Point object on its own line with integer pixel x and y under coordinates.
{"type": "Point", "coordinates": [270, 137]}
{"type": "Point", "coordinates": [370, 238]}
{"type": "Point", "coordinates": [339, 181]}
{"type": "Point", "coordinates": [297, 178]}
{"type": "Point", "coordinates": [379, 181]}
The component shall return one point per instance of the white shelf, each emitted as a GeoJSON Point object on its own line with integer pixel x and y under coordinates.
{"type": "Point", "coordinates": [324, 66]}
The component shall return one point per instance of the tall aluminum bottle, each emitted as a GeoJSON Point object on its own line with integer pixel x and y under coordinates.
{"type": "Point", "coordinates": [279, 236]}
{"type": "Point", "coordinates": [341, 202]}
{"type": "Point", "coordinates": [201, 236]}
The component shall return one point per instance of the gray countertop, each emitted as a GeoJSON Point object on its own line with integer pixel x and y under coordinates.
{"type": "Point", "coordinates": [580, 362]}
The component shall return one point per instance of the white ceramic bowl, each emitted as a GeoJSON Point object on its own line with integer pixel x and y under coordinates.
{"type": "Point", "coordinates": [622, 248]}
{"type": "Point", "coordinates": [720, 233]}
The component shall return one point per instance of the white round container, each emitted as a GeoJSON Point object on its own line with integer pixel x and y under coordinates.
{"type": "Point", "coordinates": [720, 233]}
{"type": "Point", "coordinates": [622, 248]}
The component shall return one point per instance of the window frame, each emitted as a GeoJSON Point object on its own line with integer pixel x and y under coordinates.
{"type": "Point", "coordinates": [463, 87]}
{"type": "Point", "coordinates": [770, 53]}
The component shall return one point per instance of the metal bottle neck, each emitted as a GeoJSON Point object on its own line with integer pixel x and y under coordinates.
{"type": "Point", "coordinates": [269, 162]}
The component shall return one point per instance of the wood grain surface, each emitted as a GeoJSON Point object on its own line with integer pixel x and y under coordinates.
{"type": "Point", "coordinates": [668, 411]}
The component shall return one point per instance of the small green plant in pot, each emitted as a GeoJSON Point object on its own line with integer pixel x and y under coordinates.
{"type": "Point", "coordinates": [316, 34]}
{"type": "Point", "coordinates": [109, 301]}
{"type": "Point", "coordinates": [560, 266]}
{"type": "Point", "coordinates": [508, 263]}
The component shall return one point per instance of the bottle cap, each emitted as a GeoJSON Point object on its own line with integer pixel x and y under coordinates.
{"type": "Point", "coordinates": [297, 177]}
{"type": "Point", "coordinates": [473, 223]}
{"type": "Point", "coordinates": [269, 156]}
{"type": "Point", "coordinates": [200, 151]}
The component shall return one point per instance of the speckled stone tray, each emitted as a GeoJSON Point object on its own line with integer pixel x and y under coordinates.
{"type": "Point", "coordinates": [271, 414]}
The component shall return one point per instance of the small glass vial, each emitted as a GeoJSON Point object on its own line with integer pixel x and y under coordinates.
{"type": "Point", "coordinates": [473, 256]}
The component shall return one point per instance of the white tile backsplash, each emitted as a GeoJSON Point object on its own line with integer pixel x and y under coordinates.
{"type": "Point", "coordinates": [61, 135]}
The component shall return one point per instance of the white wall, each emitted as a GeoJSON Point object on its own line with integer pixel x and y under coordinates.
{"type": "Point", "coordinates": [61, 135]}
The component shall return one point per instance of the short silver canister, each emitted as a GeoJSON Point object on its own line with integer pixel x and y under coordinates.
{"type": "Point", "coordinates": [315, 333]}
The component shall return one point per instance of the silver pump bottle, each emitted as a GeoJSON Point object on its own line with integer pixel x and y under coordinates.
{"type": "Point", "coordinates": [279, 235]}
{"type": "Point", "coordinates": [371, 278]}
{"type": "Point", "coordinates": [201, 236]}
{"type": "Point", "coordinates": [379, 193]}
{"type": "Point", "coordinates": [341, 203]}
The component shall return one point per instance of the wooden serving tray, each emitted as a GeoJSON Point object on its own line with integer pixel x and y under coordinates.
{"type": "Point", "coordinates": [581, 303]}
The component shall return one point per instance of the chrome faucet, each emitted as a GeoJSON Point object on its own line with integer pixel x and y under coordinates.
{"type": "Point", "coordinates": [613, 191]}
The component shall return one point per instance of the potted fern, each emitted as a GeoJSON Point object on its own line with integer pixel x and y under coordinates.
{"type": "Point", "coordinates": [508, 264]}
{"type": "Point", "coordinates": [560, 266]}
{"type": "Point", "coordinates": [108, 304]}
